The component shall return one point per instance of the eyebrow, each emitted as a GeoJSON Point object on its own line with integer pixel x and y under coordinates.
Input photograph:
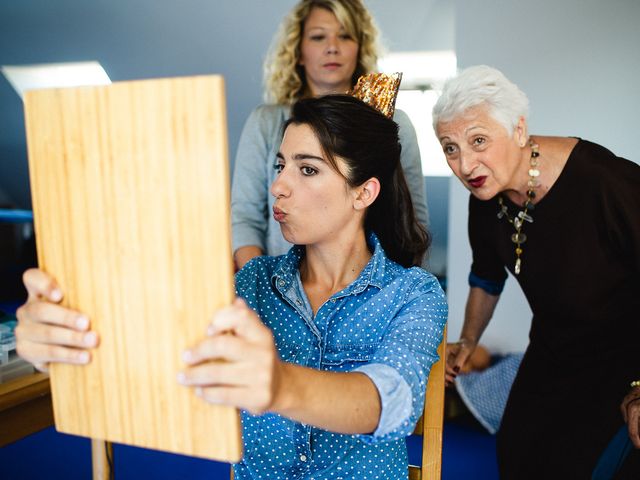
{"type": "Point", "coordinates": [466, 132]}
{"type": "Point", "coordinates": [302, 156]}
{"type": "Point", "coordinates": [473, 127]}
{"type": "Point", "coordinates": [324, 28]}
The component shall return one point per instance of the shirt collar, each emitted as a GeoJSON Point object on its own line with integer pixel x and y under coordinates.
{"type": "Point", "coordinates": [372, 274]}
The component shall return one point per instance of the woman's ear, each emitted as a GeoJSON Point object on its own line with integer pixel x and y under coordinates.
{"type": "Point", "coordinates": [521, 132]}
{"type": "Point", "coordinates": [366, 193]}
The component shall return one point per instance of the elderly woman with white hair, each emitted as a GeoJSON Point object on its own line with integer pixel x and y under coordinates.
{"type": "Point", "coordinates": [562, 215]}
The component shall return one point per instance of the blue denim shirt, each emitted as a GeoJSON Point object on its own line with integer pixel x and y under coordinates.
{"type": "Point", "coordinates": [387, 324]}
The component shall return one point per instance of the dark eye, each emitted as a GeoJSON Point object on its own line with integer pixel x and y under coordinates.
{"type": "Point", "coordinates": [308, 171]}
{"type": "Point", "coordinates": [278, 167]}
{"type": "Point", "coordinates": [449, 149]}
{"type": "Point", "coordinates": [317, 38]}
{"type": "Point", "coordinates": [345, 36]}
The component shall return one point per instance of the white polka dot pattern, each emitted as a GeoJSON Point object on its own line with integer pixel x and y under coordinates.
{"type": "Point", "coordinates": [388, 323]}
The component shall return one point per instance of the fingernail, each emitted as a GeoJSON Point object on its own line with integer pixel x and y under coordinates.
{"type": "Point", "coordinates": [211, 330]}
{"type": "Point", "coordinates": [90, 339]}
{"type": "Point", "coordinates": [187, 355]}
{"type": "Point", "coordinates": [56, 295]}
{"type": "Point", "coordinates": [182, 378]}
{"type": "Point", "coordinates": [82, 322]}
{"type": "Point", "coordinates": [199, 391]}
{"type": "Point", "coordinates": [83, 357]}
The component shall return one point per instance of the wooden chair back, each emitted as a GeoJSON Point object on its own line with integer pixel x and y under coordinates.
{"type": "Point", "coordinates": [430, 424]}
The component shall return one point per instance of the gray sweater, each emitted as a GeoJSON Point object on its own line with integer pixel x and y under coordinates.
{"type": "Point", "coordinates": [253, 174]}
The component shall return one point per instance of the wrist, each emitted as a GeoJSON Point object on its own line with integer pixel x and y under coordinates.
{"type": "Point", "coordinates": [467, 342]}
{"type": "Point", "coordinates": [286, 389]}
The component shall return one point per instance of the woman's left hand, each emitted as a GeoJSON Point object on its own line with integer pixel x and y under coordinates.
{"type": "Point", "coordinates": [237, 364]}
{"type": "Point", "coordinates": [631, 412]}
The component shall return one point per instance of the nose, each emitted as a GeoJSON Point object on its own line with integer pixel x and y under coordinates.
{"type": "Point", "coordinates": [280, 187]}
{"type": "Point", "coordinates": [467, 163]}
{"type": "Point", "coordinates": [332, 44]}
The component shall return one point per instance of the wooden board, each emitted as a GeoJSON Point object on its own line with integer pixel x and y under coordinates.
{"type": "Point", "coordinates": [130, 189]}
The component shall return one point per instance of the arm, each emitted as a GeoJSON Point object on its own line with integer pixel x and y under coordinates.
{"type": "Point", "coordinates": [253, 377]}
{"type": "Point", "coordinates": [478, 312]}
{"type": "Point", "coordinates": [243, 254]}
{"type": "Point", "coordinates": [47, 332]}
{"type": "Point", "coordinates": [250, 187]}
{"type": "Point", "coordinates": [386, 401]}
{"type": "Point", "coordinates": [318, 398]}
{"type": "Point", "coordinates": [412, 166]}
{"type": "Point", "coordinates": [620, 202]}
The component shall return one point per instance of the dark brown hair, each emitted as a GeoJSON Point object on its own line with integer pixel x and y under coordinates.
{"type": "Point", "coordinates": [368, 142]}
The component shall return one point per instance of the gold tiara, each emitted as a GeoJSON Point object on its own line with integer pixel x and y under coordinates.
{"type": "Point", "coordinates": [378, 90]}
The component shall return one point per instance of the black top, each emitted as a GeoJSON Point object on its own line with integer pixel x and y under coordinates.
{"type": "Point", "coordinates": [581, 275]}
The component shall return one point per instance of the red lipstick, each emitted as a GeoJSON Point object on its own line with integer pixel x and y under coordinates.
{"type": "Point", "coordinates": [477, 182]}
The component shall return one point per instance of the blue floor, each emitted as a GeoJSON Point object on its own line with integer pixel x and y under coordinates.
{"type": "Point", "coordinates": [467, 453]}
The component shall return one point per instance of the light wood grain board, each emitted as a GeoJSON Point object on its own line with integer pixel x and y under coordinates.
{"type": "Point", "coordinates": [130, 188]}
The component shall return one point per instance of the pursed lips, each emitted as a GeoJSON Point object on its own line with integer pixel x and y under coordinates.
{"type": "Point", "coordinates": [278, 214]}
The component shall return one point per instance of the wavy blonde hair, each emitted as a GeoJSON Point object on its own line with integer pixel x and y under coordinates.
{"type": "Point", "coordinates": [284, 79]}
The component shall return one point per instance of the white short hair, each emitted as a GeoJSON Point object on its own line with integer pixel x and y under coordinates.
{"type": "Point", "coordinates": [482, 85]}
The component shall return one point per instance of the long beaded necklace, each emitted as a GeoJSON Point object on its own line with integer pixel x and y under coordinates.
{"type": "Point", "coordinates": [523, 215]}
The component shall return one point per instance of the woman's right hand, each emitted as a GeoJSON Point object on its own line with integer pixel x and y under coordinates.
{"type": "Point", "coordinates": [457, 354]}
{"type": "Point", "coordinates": [47, 332]}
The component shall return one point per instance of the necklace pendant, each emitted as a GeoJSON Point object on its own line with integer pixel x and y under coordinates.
{"type": "Point", "coordinates": [525, 216]}
{"type": "Point", "coordinates": [516, 269]}
{"type": "Point", "coordinates": [518, 238]}
{"type": "Point", "coordinates": [517, 222]}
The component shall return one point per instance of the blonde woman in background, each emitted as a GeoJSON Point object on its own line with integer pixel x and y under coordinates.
{"type": "Point", "coordinates": [323, 46]}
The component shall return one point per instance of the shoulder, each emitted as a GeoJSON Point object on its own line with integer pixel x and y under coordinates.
{"type": "Point", "coordinates": [257, 271]}
{"type": "Point", "coordinates": [423, 281]}
{"type": "Point", "coordinates": [412, 295]}
{"type": "Point", "coordinates": [385, 273]}
{"type": "Point", "coordinates": [603, 157]}
{"type": "Point", "coordinates": [269, 112]}
{"type": "Point", "coordinates": [404, 122]}
{"type": "Point", "coordinates": [423, 295]}
{"type": "Point", "coordinates": [412, 281]}
{"type": "Point", "coordinates": [401, 117]}
{"type": "Point", "coordinates": [267, 118]}
{"type": "Point", "coordinates": [600, 166]}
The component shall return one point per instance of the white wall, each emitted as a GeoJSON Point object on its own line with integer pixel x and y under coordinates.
{"type": "Point", "coordinates": [578, 62]}
{"type": "Point", "coordinates": [160, 38]}
{"type": "Point", "coordinates": [414, 25]}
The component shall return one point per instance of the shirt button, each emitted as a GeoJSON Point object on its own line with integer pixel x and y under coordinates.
{"type": "Point", "coordinates": [281, 283]}
{"type": "Point", "coordinates": [303, 458]}
{"type": "Point", "coordinates": [333, 300]}
{"type": "Point", "coordinates": [299, 302]}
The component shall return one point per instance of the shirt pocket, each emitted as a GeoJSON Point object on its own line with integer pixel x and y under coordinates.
{"type": "Point", "coordinates": [347, 358]}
